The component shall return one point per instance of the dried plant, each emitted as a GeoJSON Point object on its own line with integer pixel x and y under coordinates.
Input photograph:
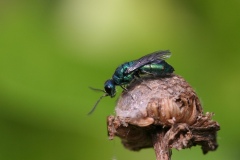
{"type": "Point", "coordinates": [162, 113]}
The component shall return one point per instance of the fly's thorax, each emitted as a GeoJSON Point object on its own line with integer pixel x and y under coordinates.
{"type": "Point", "coordinates": [120, 77]}
{"type": "Point", "coordinates": [122, 80]}
{"type": "Point", "coordinates": [109, 88]}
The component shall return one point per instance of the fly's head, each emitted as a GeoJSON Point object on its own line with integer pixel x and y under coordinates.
{"type": "Point", "coordinates": [109, 88]}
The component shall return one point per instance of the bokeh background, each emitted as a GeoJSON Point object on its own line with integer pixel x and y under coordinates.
{"type": "Point", "coordinates": [51, 51]}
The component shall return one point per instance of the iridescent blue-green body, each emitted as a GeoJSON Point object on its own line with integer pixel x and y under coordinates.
{"type": "Point", "coordinates": [156, 68]}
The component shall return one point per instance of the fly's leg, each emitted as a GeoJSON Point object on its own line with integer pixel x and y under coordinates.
{"type": "Point", "coordinates": [138, 78]}
{"type": "Point", "coordinates": [125, 89]}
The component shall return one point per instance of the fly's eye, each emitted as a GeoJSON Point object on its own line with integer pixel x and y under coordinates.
{"type": "Point", "coordinates": [109, 86]}
{"type": "Point", "coordinates": [108, 89]}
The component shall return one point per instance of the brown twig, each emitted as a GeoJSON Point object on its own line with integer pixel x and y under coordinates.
{"type": "Point", "coordinates": [161, 147]}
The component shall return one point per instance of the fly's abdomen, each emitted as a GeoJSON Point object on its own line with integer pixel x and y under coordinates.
{"type": "Point", "coordinates": [158, 69]}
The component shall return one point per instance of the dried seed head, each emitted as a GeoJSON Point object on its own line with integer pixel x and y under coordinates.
{"type": "Point", "coordinates": [165, 111]}
{"type": "Point", "coordinates": [162, 101]}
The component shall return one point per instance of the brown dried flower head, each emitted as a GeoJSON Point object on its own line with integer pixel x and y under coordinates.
{"type": "Point", "coordinates": [162, 101]}
{"type": "Point", "coordinates": [168, 105]}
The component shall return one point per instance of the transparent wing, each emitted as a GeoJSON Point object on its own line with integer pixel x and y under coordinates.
{"type": "Point", "coordinates": [158, 55]}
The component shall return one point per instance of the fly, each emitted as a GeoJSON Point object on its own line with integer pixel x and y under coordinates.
{"type": "Point", "coordinates": [151, 64]}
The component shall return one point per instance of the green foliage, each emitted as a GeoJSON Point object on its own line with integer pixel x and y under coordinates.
{"type": "Point", "coordinates": [50, 52]}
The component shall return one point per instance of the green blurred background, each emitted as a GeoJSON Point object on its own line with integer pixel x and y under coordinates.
{"type": "Point", "coordinates": [52, 50]}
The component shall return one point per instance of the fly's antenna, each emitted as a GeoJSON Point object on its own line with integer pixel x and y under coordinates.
{"type": "Point", "coordinates": [105, 95]}
{"type": "Point", "coordinates": [96, 89]}
{"type": "Point", "coordinates": [95, 106]}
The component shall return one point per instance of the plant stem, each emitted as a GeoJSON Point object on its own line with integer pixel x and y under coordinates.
{"type": "Point", "coordinates": [160, 145]}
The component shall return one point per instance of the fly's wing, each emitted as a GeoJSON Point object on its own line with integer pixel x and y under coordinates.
{"type": "Point", "coordinates": [155, 56]}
